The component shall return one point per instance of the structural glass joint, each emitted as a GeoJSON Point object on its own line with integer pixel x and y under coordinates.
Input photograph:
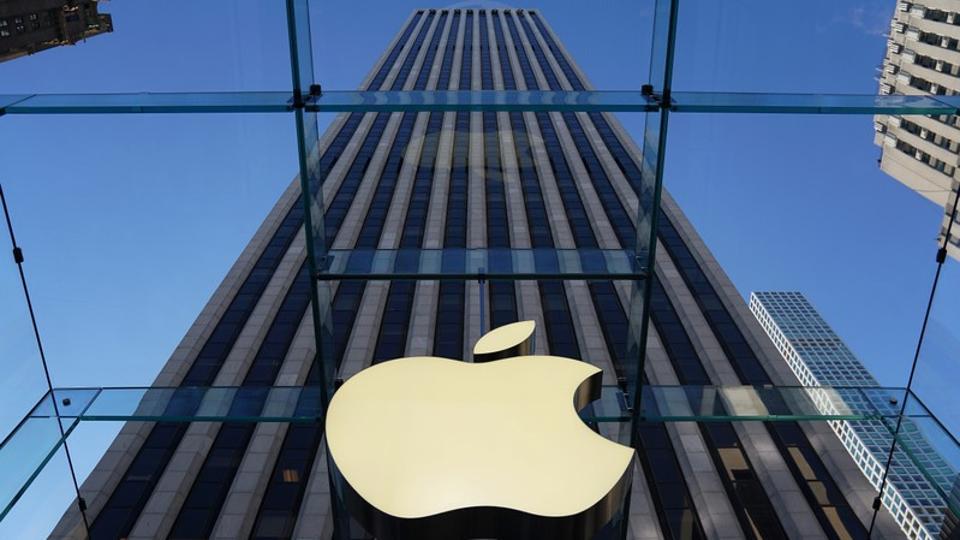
{"type": "Point", "coordinates": [298, 100]}
{"type": "Point", "coordinates": [662, 100]}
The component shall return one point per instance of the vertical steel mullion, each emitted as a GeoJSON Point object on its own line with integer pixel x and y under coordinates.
{"type": "Point", "coordinates": [301, 67]}
{"type": "Point", "coordinates": [659, 160]}
{"type": "Point", "coordinates": [306, 141]}
{"type": "Point", "coordinates": [671, 8]}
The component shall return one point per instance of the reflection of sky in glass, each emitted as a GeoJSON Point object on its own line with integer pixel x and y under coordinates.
{"type": "Point", "coordinates": [936, 379]}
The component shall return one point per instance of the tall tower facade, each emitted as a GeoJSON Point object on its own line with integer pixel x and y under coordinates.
{"type": "Point", "coordinates": [470, 180]}
{"type": "Point", "coordinates": [923, 57]}
{"type": "Point", "coordinates": [818, 357]}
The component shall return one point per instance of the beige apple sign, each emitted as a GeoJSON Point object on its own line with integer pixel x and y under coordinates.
{"type": "Point", "coordinates": [428, 447]}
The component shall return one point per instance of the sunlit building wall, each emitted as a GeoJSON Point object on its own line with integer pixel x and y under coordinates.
{"type": "Point", "coordinates": [923, 57]}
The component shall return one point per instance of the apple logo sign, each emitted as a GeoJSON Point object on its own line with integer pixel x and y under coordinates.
{"type": "Point", "coordinates": [428, 447]}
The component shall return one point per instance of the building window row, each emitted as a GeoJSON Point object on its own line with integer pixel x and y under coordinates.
{"type": "Point", "coordinates": [930, 136]}
{"type": "Point", "coordinates": [936, 40]}
{"type": "Point", "coordinates": [939, 15]}
{"type": "Point", "coordinates": [19, 23]}
{"type": "Point", "coordinates": [934, 64]}
{"type": "Point", "coordinates": [924, 157]}
{"type": "Point", "coordinates": [922, 84]}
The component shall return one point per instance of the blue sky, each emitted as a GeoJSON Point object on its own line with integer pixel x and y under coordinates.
{"type": "Point", "coordinates": [129, 222]}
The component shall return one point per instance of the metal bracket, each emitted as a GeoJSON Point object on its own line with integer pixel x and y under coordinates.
{"type": "Point", "coordinates": [663, 100]}
{"type": "Point", "coordinates": [299, 102]}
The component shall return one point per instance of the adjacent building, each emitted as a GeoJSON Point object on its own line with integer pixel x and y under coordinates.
{"type": "Point", "coordinates": [31, 26]}
{"type": "Point", "coordinates": [923, 57]}
{"type": "Point", "coordinates": [465, 180]}
{"type": "Point", "coordinates": [818, 357]}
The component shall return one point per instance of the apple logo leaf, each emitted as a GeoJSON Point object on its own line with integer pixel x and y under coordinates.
{"type": "Point", "coordinates": [514, 339]}
{"type": "Point", "coordinates": [427, 447]}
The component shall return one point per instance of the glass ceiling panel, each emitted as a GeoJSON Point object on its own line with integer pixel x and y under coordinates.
{"type": "Point", "coordinates": [477, 263]}
{"type": "Point", "coordinates": [821, 46]}
{"type": "Point", "coordinates": [610, 41]}
{"type": "Point", "coordinates": [198, 102]}
{"type": "Point", "coordinates": [31, 445]}
{"type": "Point", "coordinates": [24, 453]}
{"type": "Point", "coordinates": [730, 102]}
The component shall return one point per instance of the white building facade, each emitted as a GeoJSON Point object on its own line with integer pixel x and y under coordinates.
{"type": "Point", "coordinates": [923, 58]}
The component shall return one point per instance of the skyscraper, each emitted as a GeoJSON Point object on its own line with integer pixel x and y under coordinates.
{"type": "Point", "coordinates": [923, 57]}
{"type": "Point", "coordinates": [28, 27]}
{"type": "Point", "coordinates": [818, 357]}
{"type": "Point", "coordinates": [467, 180]}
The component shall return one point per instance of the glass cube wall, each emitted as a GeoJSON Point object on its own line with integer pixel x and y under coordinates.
{"type": "Point", "coordinates": [477, 178]}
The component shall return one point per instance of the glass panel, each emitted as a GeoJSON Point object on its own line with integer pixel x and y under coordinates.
{"type": "Point", "coordinates": [8, 99]}
{"type": "Point", "coordinates": [925, 468]}
{"type": "Point", "coordinates": [482, 100]}
{"type": "Point", "coordinates": [663, 41]}
{"type": "Point", "coordinates": [719, 102]}
{"type": "Point", "coordinates": [939, 351]}
{"type": "Point", "coordinates": [23, 453]}
{"type": "Point", "coordinates": [792, 204]}
{"type": "Point", "coordinates": [611, 42]}
{"type": "Point", "coordinates": [752, 46]}
{"type": "Point", "coordinates": [663, 403]}
{"type": "Point", "coordinates": [799, 223]}
{"type": "Point", "coordinates": [167, 200]}
{"type": "Point", "coordinates": [312, 174]}
{"type": "Point", "coordinates": [70, 403]}
{"type": "Point", "coordinates": [462, 263]}
{"type": "Point", "coordinates": [314, 165]}
{"type": "Point", "coordinates": [927, 436]}
{"type": "Point", "coordinates": [644, 171]}
{"type": "Point", "coordinates": [41, 503]}
{"type": "Point", "coordinates": [793, 210]}
{"type": "Point", "coordinates": [479, 100]}
{"type": "Point", "coordinates": [238, 404]}
{"type": "Point", "coordinates": [301, 46]}
{"type": "Point", "coordinates": [724, 403]}
{"type": "Point", "coordinates": [210, 102]}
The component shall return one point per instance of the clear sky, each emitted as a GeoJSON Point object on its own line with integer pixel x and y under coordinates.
{"type": "Point", "coordinates": [129, 222]}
